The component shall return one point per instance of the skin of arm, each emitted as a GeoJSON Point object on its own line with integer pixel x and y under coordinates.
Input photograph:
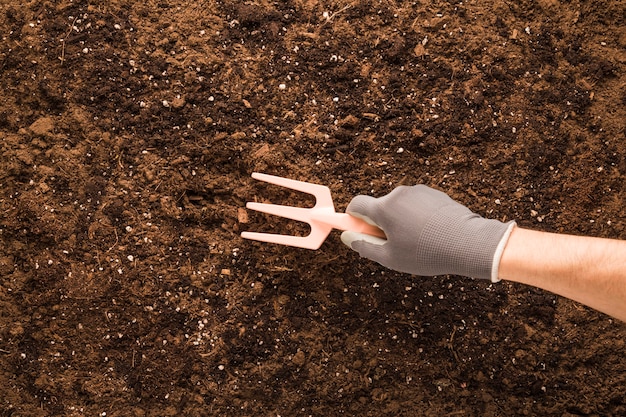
{"type": "Point", "coordinates": [589, 270]}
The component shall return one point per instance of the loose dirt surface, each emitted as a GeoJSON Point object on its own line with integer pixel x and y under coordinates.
{"type": "Point", "coordinates": [128, 133]}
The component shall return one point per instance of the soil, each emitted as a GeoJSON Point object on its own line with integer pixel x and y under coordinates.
{"type": "Point", "coordinates": [128, 133]}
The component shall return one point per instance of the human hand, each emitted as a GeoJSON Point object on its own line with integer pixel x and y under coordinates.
{"type": "Point", "coordinates": [428, 233]}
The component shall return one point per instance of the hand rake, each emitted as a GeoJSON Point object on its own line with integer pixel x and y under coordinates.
{"type": "Point", "coordinates": [322, 217]}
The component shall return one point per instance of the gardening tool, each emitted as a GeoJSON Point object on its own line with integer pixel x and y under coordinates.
{"type": "Point", "coordinates": [321, 217]}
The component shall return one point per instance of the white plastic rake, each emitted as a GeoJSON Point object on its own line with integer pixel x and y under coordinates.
{"type": "Point", "coordinates": [321, 217]}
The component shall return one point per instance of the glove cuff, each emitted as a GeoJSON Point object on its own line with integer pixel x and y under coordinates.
{"type": "Point", "coordinates": [495, 266]}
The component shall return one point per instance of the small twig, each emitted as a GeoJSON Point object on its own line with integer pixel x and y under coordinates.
{"type": "Point", "coordinates": [332, 16]}
{"type": "Point", "coordinates": [4, 351]}
{"type": "Point", "coordinates": [68, 34]}
{"type": "Point", "coordinates": [116, 240]}
{"type": "Point", "coordinates": [119, 160]}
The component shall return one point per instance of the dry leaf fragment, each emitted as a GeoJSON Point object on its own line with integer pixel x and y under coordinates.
{"type": "Point", "coordinates": [371, 116]}
{"type": "Point", "coordinates": [420, 51]}
{"type": "Point", "coordinates": [242, 215]}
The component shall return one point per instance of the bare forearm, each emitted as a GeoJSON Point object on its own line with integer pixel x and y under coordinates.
{"type": "Point", "coordinates": [589, 270]}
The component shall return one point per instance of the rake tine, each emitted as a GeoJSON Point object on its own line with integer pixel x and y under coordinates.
{"type": "Point", "coordinates": [321, 192]}
{"type": "Point", "coordinates": [289, 212]}
{"type": "Point", "coordinates": [312, 241]}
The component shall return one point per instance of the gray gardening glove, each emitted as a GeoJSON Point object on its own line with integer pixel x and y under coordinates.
{"type": "Point", "coordinates": [428, 234]}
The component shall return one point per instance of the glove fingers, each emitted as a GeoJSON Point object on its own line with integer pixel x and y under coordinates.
{"type": "Point", "coordinates": [348, 238]}
{"type": "Point", "coordinates": [364, 207]}
{"type": "Point", "coordinates": [367, 246]}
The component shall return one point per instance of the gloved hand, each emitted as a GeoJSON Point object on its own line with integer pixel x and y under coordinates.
{"type": "Point", "coordinates": [428, 234]}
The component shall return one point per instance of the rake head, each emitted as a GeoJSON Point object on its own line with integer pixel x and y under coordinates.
{"type": "Point", "coordinates": [321, 217]}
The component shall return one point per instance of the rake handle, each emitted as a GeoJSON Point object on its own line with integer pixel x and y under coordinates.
{"type": "Point", "coordinates": [345, 221]}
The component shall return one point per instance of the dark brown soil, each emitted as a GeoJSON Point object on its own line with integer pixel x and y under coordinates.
{"type": "Point", "coordinates": [128, 133]}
